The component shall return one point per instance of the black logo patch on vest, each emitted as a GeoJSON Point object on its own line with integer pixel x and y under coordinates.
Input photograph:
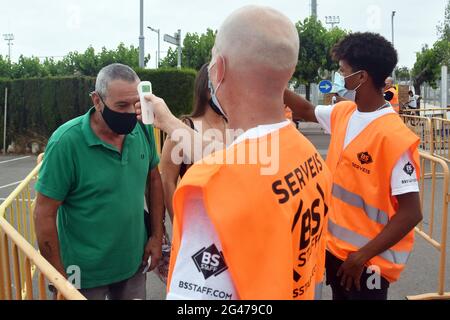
{"type": "Point", "coordinates": [409, 169]}
{"type": "Point", "coordinates": [210, 261]}
{"type": "Point", "coordinates": [365, 158]}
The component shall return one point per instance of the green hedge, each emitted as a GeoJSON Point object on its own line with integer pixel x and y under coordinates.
{"type": "Point", "coordinates": [47, 103]}
{"type": "Point", "coordinates": [175, 86]}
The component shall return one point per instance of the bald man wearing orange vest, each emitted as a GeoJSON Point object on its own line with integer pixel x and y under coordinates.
{"type": "Point", "coordinates": [374, 160]}
{"type": "Point", "coordinates": [243, 230]}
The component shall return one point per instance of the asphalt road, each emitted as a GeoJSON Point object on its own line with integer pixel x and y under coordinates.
{"type": "Point", "coordinates": [420, 276]}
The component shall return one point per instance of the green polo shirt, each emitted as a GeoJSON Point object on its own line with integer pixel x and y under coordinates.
{"type": "Point", "coordinates": [100, 222]}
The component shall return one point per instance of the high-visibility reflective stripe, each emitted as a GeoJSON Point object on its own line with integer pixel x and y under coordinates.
{"type": "Point", "coordinates": [318, 291]}
{"type": "Point", "coordinates": [355, 200]}
{"type": "Point", "coordinates": [359, 241]}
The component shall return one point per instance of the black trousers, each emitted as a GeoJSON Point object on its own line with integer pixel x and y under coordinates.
{"type": "Point", "coordinates": [332, 265]}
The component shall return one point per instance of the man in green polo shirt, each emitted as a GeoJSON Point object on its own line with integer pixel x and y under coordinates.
{"type": "Point", "coordinates": [90, 201]}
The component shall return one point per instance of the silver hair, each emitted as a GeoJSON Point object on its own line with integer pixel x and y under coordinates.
{"type": "Point", "coordinates": [115, 71]}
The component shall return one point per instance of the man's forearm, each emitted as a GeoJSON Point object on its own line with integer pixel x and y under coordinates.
{"type": "Point", "coordinates": [157, 208]}
{"type": "Point", "coordinates": [47, 236]}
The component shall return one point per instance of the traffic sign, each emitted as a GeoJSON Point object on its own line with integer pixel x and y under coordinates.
{"type": "Point", "coordinates": [325, 86]}
{"type": "Point", "coordinates": [171, 39]}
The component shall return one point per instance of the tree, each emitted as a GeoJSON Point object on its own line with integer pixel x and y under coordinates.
{"type": "Point", "coordinates": [88, 63]}
{"type": "Point", "coordinates": [5, 68]}
{"type": "Point", "coordinates": [316, 43]}
{"type": "Point", "coordinates": [28, 68]}
{"type": "Point", "coordinates": [444, 28]}
{"type": "Point", "coordinates": [402, 73]}
{"type": "Point", "coordinates": [428, 65]}
{"type": "Point", "coordinates": [427, 68]}
{"type": "Point", "coordinates": [170, 61]}
{"type": "Point", "coordinates": [196, 51]}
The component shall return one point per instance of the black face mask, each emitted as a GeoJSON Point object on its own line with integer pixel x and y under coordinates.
{"type": "Point", "coordinates": [216, 109]}
{"type": "Point", "coordinates": [120, 123]}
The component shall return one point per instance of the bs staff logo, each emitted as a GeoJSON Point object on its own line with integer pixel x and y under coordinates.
{"type": "Point", "coordinates": [365, 158]}
{"type": "Point", "coordinates": [210, 261]}
{"type": "Point", "coordinates": [409, 169]}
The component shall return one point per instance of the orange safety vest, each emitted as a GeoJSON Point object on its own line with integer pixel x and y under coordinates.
{"type": "Point", "coordinates": [394, 102]}
{"type": "Point", "coordinates": [271, 227]}
{"type": "Point", "coordinates": [362, 202]}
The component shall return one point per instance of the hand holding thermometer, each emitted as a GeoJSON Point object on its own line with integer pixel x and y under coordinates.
{"type": "Point", "coordinates": [145, 88]}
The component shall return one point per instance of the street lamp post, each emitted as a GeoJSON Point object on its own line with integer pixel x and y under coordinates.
{"type": "Point", "coordinates": [9, 37]}
{"type": "Point", "coordinates": [333, 20]}
{"type": "Point", "coordinates": [314, 8]}
{"type": "Point", "coordinates": [141, 38]}
{"type": "Point", "coordinates": [159, 42]}
{"type": "Point", "coordinates": [392, 24]}
{"type": "Point", "coordinates": [179, 49]}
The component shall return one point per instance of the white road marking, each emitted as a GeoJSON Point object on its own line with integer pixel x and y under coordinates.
{"type": "Point", "coordinates": [11, 184]}
{"type": "Point", "coordinates": [16, 159]}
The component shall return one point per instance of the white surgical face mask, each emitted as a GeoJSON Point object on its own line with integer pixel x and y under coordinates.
{"type": "Point", "coordinates": [213, 92]}
{"type": "Point", "coordinates": [339, 85]}
{"type": "Point", "coordinates": [351, 93]}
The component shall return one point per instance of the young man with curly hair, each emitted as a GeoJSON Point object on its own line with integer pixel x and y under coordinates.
{"type": "Point", "coordinates": [374, 160]}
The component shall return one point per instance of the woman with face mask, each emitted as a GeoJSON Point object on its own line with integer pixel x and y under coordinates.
{"type": "Point", "coordinates": [206, 119]}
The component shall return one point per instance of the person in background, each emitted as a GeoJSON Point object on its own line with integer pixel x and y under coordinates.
{"type": "Point", "coordinates": [391, 94]}
{"type": "Point", "coordinates": [413, 102]}
{"type": "Point", "coordinates": [204, 118]}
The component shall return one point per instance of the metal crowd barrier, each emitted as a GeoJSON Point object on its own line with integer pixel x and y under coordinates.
{"type": "Point", "coordinates": [435, 171]}
{"type": "Point", "coordinates": [441, 137]}
{"type": "Point", "coordinates": [24, 273]}
{"type": "Point", "coordinates": [423, 128]}
{"type": "Point", "coordinates": [21, 265]}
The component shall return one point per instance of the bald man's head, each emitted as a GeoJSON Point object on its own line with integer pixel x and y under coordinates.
{"type": "Point", "coordinates": [258, 37]}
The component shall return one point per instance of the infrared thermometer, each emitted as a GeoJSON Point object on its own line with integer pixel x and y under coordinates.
{"type": "Point", "coordinates": [149, 262]}
{"type": "Point", "coordinates": [145, 88]}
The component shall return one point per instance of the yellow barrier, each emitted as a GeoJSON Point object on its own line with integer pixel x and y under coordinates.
{"type": "Point", "coordinates": [435, 171]}
{"type": "Point", "coordinates": [160, 137]}
{"type": "Point", "coordinates": [20, 263]}
{"type": "Point", "coordinates": [429, 110]}
{"type": "Point", "coordinates": [423, 128]}
{"type": "Point", "coordinates": [441, 136]}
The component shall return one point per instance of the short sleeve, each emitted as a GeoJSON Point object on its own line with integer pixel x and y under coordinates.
{"type": "Point", "coordinates": [404, 178]}
{"type": "Point", "coordinates": [323, 115]}
{"type": "Point", "coordinates": [56, 175]}
{"type": "Point", "coordinates": [154, 157]}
